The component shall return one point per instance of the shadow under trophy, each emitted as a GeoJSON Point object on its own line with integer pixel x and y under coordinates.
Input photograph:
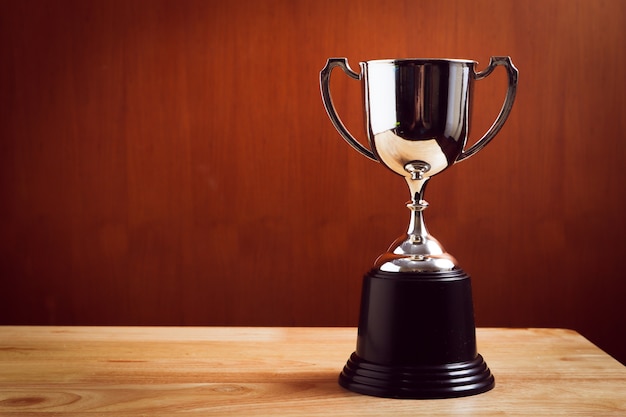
{"type": "Point", "coordinates": [416, 336]}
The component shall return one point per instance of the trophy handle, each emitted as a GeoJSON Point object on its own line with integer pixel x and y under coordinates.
{"type": "Point", "coordinates": [506, 107]}
{"type": "Point", "coordinates": [330, 109]}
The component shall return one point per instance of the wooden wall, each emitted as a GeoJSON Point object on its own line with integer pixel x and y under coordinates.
{"type": "Point", "coordinates": [170, 162]}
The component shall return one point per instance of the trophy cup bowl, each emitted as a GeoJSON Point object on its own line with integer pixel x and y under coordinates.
{"type": "Point", "coordinates": [416, 336]}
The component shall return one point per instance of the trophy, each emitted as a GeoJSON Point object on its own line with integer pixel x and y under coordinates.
{"type": "Point", "coordinates": [416, 334]}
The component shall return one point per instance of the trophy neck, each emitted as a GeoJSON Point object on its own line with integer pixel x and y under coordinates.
{"type": "Point", "coordinates": [417, 205]}
{"type": "Point", "coordinates": [417, 251]}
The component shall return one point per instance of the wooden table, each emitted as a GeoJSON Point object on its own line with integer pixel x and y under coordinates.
{"type": "Point", "coordinates": [154, 371]}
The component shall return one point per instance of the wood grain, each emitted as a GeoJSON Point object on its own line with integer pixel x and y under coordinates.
{"type": "Point", "coordinates": [281, 371]}
{"type": "Point", "coordinates": [170, 162]}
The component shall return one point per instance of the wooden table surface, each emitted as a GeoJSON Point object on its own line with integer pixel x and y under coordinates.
{"type": "Point", "coordinates": [205, 371]}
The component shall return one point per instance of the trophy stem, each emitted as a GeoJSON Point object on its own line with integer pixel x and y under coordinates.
{"type": "Point", "coordinates": [417, 250]}
{"type": "Point", "coordinates": [417, 228]}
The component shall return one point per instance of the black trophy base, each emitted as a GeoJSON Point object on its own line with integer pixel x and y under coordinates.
{"type": "Point", "coordinates": [416, 338]}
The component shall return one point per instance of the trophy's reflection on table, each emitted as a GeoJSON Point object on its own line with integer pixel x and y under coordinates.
{"type": "Point", "coordinates": [416, 336]}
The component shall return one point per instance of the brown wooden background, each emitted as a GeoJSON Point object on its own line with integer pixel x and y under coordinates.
{"type": "Point", "coordinates": [170, 162]}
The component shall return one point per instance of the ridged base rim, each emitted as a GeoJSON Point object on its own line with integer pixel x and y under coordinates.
{"type": "Point", "coordinates": [417, 382]}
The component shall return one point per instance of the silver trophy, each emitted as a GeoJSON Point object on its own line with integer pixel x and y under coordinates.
{"type": "Point", "coordinates": [416, 336]}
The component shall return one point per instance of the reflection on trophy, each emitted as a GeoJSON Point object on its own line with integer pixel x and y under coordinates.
{"type": "Point", "coordinates": [416, 335]}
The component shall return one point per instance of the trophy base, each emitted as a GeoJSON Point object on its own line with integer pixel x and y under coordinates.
{"type": "Point", "coordinates": [416, 338]}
